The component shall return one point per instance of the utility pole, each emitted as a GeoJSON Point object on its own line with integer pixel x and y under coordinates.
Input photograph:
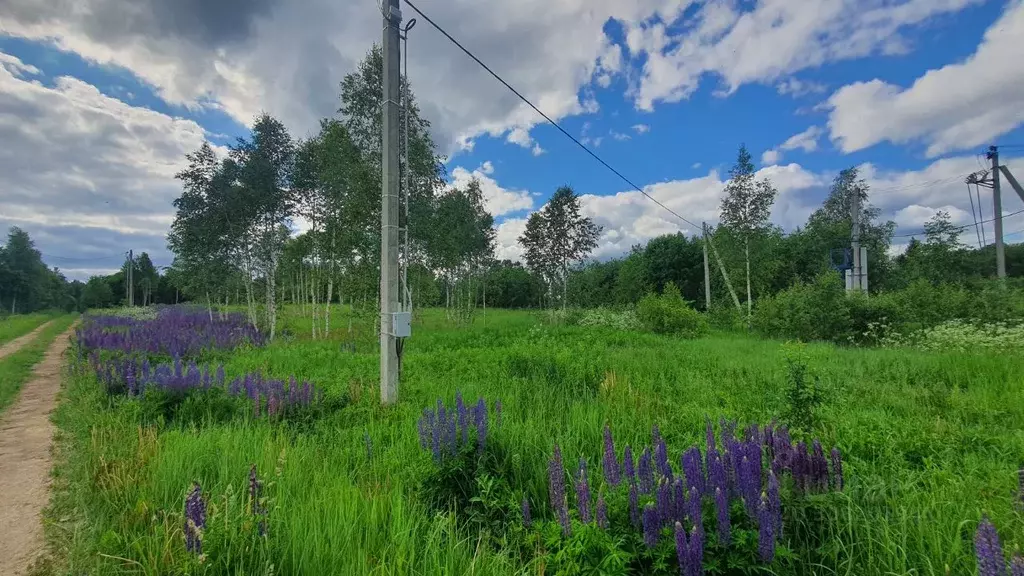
{"type": "Point", "coordinates": [997, 201]}
{"type": "Point", "coordinates": [707, 269]}
{"type": "Point", "coordinates": [390, 363]}
{"type": "Point", "coordinates": [130, 287]}
{"type": "Point", "coordinates": [855, 272]}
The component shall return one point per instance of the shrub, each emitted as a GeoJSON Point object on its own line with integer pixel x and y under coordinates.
{"type": "Point", "coordinates": [963, 336]}
{"type": "Point", "coordinates": [726, 317]}
{"type": "Point", "coordinates": [668, 313]}
{"type": "Point", "coordinates": [625, 320]}
{"type": "Point", "coordinates": [816, 311]}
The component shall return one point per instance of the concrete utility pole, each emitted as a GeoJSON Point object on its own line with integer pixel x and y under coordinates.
{"type": "Point", "coordinates": [997, 201]}
{"type": "Point", "coordinates": [707, 269]}
{"type": "Point", "coordinates": [390, 363]}
{"type": "Point", "coordinates": [855, 272]}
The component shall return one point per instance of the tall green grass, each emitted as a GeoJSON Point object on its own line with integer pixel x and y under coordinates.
{"type": "Point", "coordinates": [931, 441]}
{"type": "Point", "coordinates": [15, 369]}
{"type": "Point", "coordinates": [12, 327]}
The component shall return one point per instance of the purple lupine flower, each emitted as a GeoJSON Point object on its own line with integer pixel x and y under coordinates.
{"type": "Point", "coordinates": [481, 425]}
{"type": "Point", "coordinates": [661, 459]}
{"type": "Point", "coordinates": [646, 473]}
{"type": "Point", "coordinates": [634, 505]}
{"type": "Point", "coordinates": [255, 488]}
{"type": "Point", "coordinates": [819, 467]}
{"type": "Point", "coordinates": [526, 512]}
{"type": "Point", "coordinates": [693, 509]}
{"type": "Point", "coordinates": [583, 493]}
{"type": "Point", "coordinates": [1017, 565]}
{"type": "Point", "coordinates": [663, 501]}
{"type": "Point", "coordinates": [195, 520]}
{"type": "Point", "coordinates": [678, 500]}
{"type": "Point", "coordinates": [602, 512]}
{"type": "Point", "coordinates": [765, 530]}
{"type": "Point", "coordinates": [989, 550]}
{"type": "Point", "coordinates": [463, 416]}
{"type": "Point", "coordinates": [693, 469]}
{"type": "Point", "coordinates": [611, 461]}
{"type": "Point", "coordinates": [628, 470]}
{"type": "Point", "coordinates": [837, 472]}
{"type": "Point", "coordinates": [682, 550]}
{"type": "Point", "coordinates": [655, 435]}
{"type": "Point", "coordinates": [651, 524]}
{"type": "Point", "coordinates": [556, 488]}
{"type": "Point", "coordinates": [749, 483]}
{"type": "Point", "coordinates": [716, 472]}
{"type": "Point", "coordinates": [769, 440]}
{"type": "Point", "coordinates": [775, 503]}
{"type": "Point", "coordinates": [696, 551]}
{"type": "Point", "coordinates": [722, 512]}
{"type": "Point", "coordinates": [801, 466]}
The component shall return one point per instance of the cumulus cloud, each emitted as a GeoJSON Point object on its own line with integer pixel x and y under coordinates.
{"type": "Point", "coordinates": [802, 34]}
{"type": "Point", "coordinates": [806, 141]}
{"type": "Point", "coordinates": [955, 107]}
{"type": "Point", "coordinates": [90, 177]}
{"type": "Point", "coordinates": [795, 87]}
{"type": "Point", "coordinates": [497, 200]}
{"type": "Point", "coordinates": [641, 128]}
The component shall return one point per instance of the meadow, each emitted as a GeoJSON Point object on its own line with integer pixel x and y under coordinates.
{"type": "Point", "coordinates": [17, 325]}
{"type": "Point", "coordinates": [930, 441]}
{"type": "Point", "coordinates": [16, 368]}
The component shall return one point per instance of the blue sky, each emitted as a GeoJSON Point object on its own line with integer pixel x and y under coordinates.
{"type": "Point", "coordinates": [101, 112]}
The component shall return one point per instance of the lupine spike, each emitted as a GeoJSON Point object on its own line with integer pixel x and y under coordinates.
{"type": "Point", "coordinates": [634, 505]}
{"type": "Point", "coordinates": [722, 512]}
{"type": "Point", "coordinates": [1017, 565]}
{"type": "Point", "coordinates": [556, 488]}
{"type": "Point", "coordinates": [765, 531]}
{"type": "Point", "coordinates": [837, 472]}
{"type": "Point", "coordinates": [611, 462]}
{"type": "Point", "coordinates": [682, 549]}
{"type": "Point", "coordinates": [646, 472]}
{"type": "Point", "coordinates": [696, 551]}
{"type": "Point", "coordinates": [628, 469]}
{"type": "Point", "coordinates": [989, 550]}
{"type": "Point", "coordinates": [583, 493]}
{"type": "Point", "coordinates": [602, 513]}
{"type": "Point", "coordinates": [651, 525]}
{"type": "Point", "coordinates": [663, 500]}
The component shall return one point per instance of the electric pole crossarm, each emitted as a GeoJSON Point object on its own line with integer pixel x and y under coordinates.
{"type": "Point", "coordinates": [1013, 181]}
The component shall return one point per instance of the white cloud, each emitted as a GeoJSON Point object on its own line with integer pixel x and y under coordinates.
{"type": "Point", "coordinates": [15, 66]}
{"type": "Point", "coordinates": [801, 34]}
{"type": "Point", "coordinates": [641, 128]}
{"type": "Point", "coordinates": [795, 87]}
{"type": "Point", "coordinates": [90, 176]}
{"type": "Point", "coordinates": [956, 107]}
{"type": "Point", "coordinates": [621, 137]}
{"type": "Point", "coordinates": [521, 137]}
{"type": "Point", "coordinates": [497, 200]}
{"type": "Point", "coordinates": [806, 140]}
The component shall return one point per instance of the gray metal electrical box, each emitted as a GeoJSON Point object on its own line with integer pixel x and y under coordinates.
{"type": "Point", "coordinates": [401, 324]}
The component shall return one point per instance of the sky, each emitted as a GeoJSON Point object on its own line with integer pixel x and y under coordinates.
{"type": "Point", "coordinates": [100, 101]}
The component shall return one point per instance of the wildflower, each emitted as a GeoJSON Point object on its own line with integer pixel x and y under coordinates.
{"type": "Point", "coordinates": [661, 459]}
{"type": "Point", "coordinates": [765, 531]}
{"type": "Point", "coordinates": [556, 487]}
{"type": "Point", "coordinates": [819, 467]}
{"type": "Point", "coordinates": [628, 470]}
{"type": "Point", "coordinates": [611, 463]}
{"type": "Point", "coordinates": [693, 509]}
{"type": "Point", "coordinates": [526, 512]}
{"type": "Point", "coordinates": [663, 500]}
{"type": "Point", "coordinates": [679, 500]}
{"type": "Point", "coordinates": [583, 493]}
{"type": "Point", "coordinates": [989, 550]}
{"type": "Point", "coordinates": [722, 511]}
{"type": "Point", "coordinates": [646, 473]}
{"type": "Point", "coordinates": [837, 472]}
{"type": "Point", "coordinates": [1017, 565]}
{"type": "Point", "coordinates": [775, 502]}
{"type": "Point", "coordinates": [463, 416]}
{"type": "Point", "coordinates": [693, 469]}
{"type": "Point", "coordinates": [716, 472]}
{"type": "Point", "coordinates": [634, 505]}
{"type": "Point", "coordinates": [682, 549]}
{"type": "Point", "coordinates": [195, 520]}
{"type": "Point", "coordinates": [696, 551]}
{"type": "Point", "coordinates": [602, 512]}
{"type": "Point", "coordinates": [651, 525]}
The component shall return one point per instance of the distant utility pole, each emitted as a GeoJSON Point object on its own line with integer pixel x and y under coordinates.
{"type": "Point", "coordinates": [854, 282]}
{"type": "Point", "coordinates": [997, 201]}
{"type": "Point", "coordinates": [390, 362]}
{"type": "Point", "coordinates": [707, 269]}
{"type": "Point", "coordinates": [130, 285]}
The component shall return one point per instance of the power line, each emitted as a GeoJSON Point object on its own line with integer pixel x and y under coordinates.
{"type": "Point", "coordinates": [961, 228]}
{"type": "Point", "coordinates": [546, 117]}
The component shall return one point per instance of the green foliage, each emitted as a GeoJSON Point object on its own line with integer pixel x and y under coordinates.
{"type": "Point", "coordinates": [803, 390]}
{"type": "Point", "coordinates": [964, 336]}
{"type": "Point", "coordinates": [618, 320]}
{"type": "Point", "coordinates": [668, 313]}
{"type": "Point", "coordinates": [815, 311]}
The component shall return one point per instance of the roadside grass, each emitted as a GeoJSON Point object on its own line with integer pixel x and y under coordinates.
{"type": "Point", "coordinates": [20, 324]}
{"type": "Point", "coordinates": [16, 368]}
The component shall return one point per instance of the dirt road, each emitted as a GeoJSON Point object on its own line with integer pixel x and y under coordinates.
{"type": "Point", "coordinates": [25, 437]}
{"type": "Point", "coordinates": [16, 344]}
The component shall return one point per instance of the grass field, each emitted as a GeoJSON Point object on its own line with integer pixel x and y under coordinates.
{"type": "Point", "coordinates": [930, 440]}
{"type": "Point", "coordinates": [16, 368]}
{"type": "Point", "coordinates": [19, 325]}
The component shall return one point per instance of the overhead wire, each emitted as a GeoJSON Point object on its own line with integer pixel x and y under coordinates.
{"type": "Point", "coordinates": [965, 226]}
